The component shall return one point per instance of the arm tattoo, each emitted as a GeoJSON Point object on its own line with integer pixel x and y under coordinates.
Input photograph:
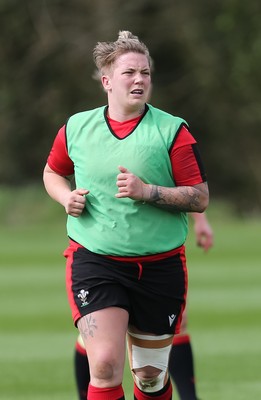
{"type": "Point", "coordinates": [87, 325]}
{"type": "Point", "coordinates": [182, 198]}
{"type": "Point", "coordinates": [154, 195]}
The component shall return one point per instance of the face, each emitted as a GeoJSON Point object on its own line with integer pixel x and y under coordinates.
{"type": "Point", "coordinates": [128, 83]}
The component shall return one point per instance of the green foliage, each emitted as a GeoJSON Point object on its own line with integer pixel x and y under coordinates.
{"type": "Point", "coordinates": [207, 58]}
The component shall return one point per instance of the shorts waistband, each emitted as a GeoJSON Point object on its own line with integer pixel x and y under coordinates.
{"type": "Point", "coordinates": [147, 258]}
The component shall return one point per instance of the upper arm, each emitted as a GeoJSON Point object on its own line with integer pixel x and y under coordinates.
{"type": "Point", "coordinates": [58, 159]}
{"type": "Point", "coordinates": [187, 165]}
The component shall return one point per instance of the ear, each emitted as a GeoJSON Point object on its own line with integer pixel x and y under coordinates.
{"type": "Point", "coordinates": [106, 82]}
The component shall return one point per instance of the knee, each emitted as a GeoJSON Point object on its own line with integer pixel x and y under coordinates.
{"type": "Point", "coordinates": [148, 356]}
{"type": "Point", "coordinates": [103, 370]}
{"type": "Point", "coordinates": [149, 379]}
{"type": "Point", "coordinates": [105, 367]}
{"type": "Point", "coordinates": [147, 372]}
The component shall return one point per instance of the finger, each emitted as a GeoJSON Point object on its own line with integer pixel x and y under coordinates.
{"type": "Point", "coordinates": [121, 177]}
{"type": "Point", "coordinates": [77, 203]}
{"type": "Point", "coordinates": [201, 242]}
{"type": "Point", "coordinates": [123, 189]}
{"type": "Point", "coordinates": [207, 245]}
{"type": "Point", "coordinates": [204, 243]}
{"type": "Point", "coordinates": [81, 200]}
{"type": "Point", "coordinates": [74, 214]}
{"type": "Point", "coordinates": [76, 208]}
{"type": "Point", "coordinates": [123, 169]}
{"type": "Point", "coordinates": [82, 192]}
{"type": "Point", "coordinates": [120, 195]}
{"type": "Point", "coordinates": [121, 183]}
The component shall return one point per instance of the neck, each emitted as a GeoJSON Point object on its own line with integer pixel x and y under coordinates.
{"type": "Point", "coordinates": [121, 116]}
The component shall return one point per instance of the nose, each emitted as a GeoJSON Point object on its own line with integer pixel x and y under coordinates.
{"type": "Point", "coordinates": [138, 77]}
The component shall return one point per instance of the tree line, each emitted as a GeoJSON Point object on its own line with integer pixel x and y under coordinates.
{"type": "Point", "coordinates": [207, 61]}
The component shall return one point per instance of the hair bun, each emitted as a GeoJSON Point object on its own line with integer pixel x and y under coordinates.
{"type": "Point", "coordinates": [123, 35]}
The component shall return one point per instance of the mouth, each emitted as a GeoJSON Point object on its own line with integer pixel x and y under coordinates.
{"type": "Point", "coordinates": [137, 91]}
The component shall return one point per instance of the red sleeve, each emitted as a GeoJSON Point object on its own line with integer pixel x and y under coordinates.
{"type": "Point", "coordinates": [187, 166]}
{"type": "Point", "coordinates": [58, 159]}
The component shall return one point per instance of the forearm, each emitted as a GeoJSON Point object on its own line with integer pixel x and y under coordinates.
{"type": "Point", "coordinates": [181, 198]}
{"type": "Point", "coordinates": [199, 217]}
{"type": "Point", "coordinates": [58, 187]}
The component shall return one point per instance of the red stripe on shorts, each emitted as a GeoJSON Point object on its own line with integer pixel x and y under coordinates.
{"type": "Point", "coordinates": [68, 254]}
{"type": "Point", "coordinates": [183, 260]}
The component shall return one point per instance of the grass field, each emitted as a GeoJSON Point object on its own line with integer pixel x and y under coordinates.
{"type": "Point", "coordinates": [37, 336]}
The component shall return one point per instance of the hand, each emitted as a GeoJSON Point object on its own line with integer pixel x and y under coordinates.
{"type": "Point", "coordinates": [74, 203]}
{"type": "Point", "coordinates": [129, 185]}
{"type": "Point", "coordinates": [203, 231]}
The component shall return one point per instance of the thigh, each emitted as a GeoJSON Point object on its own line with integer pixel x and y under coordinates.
{"type": "Point", "coordinates": [104, 336]}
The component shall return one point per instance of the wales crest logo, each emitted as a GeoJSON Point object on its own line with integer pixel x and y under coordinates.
{"type": "Point", "coordinates": [83, 297]}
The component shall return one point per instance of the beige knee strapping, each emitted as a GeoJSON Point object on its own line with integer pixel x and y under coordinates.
{"type": "Point", "coordinates": [145, 350]}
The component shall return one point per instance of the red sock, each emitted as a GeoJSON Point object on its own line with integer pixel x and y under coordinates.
{"type": "Point", "coordinates": [95, 393]}
{"type": "Point", "coordinates": [163, 394]}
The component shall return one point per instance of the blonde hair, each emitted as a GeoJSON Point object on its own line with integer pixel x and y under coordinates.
{"type": "Point", "coordinates": [106, 53]}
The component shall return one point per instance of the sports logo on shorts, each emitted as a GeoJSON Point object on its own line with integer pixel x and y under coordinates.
{"type": "Point", "coordinates": [83, 297]}
{"type": "Point", "coordinates": [172, 318]}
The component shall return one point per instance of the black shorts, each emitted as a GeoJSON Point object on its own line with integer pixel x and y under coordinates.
{"type": "Point", "coordinates": [152, 291]}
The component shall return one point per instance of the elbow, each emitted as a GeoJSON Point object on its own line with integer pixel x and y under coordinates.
{"type": "Point", "coordinates": [203, 199]}
{"type": "Point", "coordinates": [203, 204]}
